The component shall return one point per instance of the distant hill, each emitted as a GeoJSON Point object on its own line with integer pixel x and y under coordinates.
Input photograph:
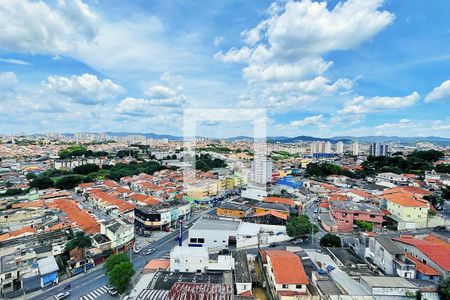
{"type": "Point", "coordinates": [304, 138]}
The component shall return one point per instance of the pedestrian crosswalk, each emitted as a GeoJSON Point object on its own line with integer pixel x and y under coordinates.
{"type": "Point", "coordinates": [95, 293]}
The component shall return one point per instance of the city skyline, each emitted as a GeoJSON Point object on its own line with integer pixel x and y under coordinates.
{"type": "Point", "coordinates": [135, 66]}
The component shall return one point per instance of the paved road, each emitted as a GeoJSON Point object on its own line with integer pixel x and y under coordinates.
{"type": "Point", "coordinates": [92, 285]}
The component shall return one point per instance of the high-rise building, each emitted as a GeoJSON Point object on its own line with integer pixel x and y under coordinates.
{"type": "Point", "coordinates": [320, 147]}
{"type": "Point", "coordinates": [355, 148]}
{"type": "Point", "coordinates": [261, 171]}
{"type": "Point", "coordinates": [340, 148]}
{"type": "Point", "coordinates": [378, 149]}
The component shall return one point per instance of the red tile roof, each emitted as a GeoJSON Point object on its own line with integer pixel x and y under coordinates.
{"type": "Point", "coordinates": [84, 220]}
{"type": "Point", "coordinates": [281, 200]}
{"type": "Point", "coordinates": [37, 203]}
{"type": "Point", "coordinates": [105, 197]}
{"type": "Point", "coordinates": [273, 213]}
{"type": "Point", "coordinates": [145, 199]}
{"type": "Point", "coordinates": [404, 199]}
{"type": "Point", "coordinates": [422, 267]}
{"type": "Point", "coordinates": [287, 267]}
{"type": "Point", "coordinates": [17, 233]}
{"type": "Point", "coordinates": [436, 251]}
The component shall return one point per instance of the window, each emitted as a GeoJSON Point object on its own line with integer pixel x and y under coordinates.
{"type": "Point", "coordinates": [177, 261]}
{"type": "Point", "coordinates": [298, 286]}
{"type": "Point", "coordinates": [193, 240]}
{"type": "Point", "coordinates": [285, 286]}
{"type": "Point", "coordinates": [356, 214]}
{"type": "Point", "coordinates": [8, 275]}
{"type": "Point", "coordinates": [201, 240]}
{"type": "Point", "coordinates": [372, 216]}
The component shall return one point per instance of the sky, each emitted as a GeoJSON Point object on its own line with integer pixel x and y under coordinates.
{"type": "Point", "coordinates": [320, 68]}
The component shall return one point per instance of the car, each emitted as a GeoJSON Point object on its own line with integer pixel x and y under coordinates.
{"type": "Point", "coordinates": [316, 211]}
{"type": "Point", "coordinates": [297, 241]}
{"type": "Point", "coordinates": [112, 291]}
{"type": "Point", "coordinates": [62, 295]}
{"type": "Point", "coordinates": [150, 251]}
{"type": "Point", "coordinates": [137, 250]}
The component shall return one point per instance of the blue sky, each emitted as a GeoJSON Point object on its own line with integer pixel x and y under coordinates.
{"type": "Point", "coordinates": [355, 67]}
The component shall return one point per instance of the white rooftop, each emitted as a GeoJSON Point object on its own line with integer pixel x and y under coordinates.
{"type": "Point", "coordinates": [47, 265]}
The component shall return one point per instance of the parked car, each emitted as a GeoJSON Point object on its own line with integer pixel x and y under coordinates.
{"type": "Point", "coordinates": [137, 250]}
{"type": "Point", "coordinates": [112, 291]}
{"type": "Point", "coordinates": [63, 295]}
{"type": "Point", "coordinates": [316, 211]}
{"type": "Point", "coordinates": [150, 251]}
{"type": "Point", "coordinates": [297, 241]}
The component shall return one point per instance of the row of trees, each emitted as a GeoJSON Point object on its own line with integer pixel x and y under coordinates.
{"type": "Point", "coordinates": [89, 173]}
{"type": "Point", "coordinates": [205, 162]}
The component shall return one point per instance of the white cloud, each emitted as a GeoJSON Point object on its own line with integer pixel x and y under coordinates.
{"type": "Point", "coordinates": [313, 120]}
{"type": "Point", "coordinates": [362, 105]}
{"type": "Point", "coordinates": [218, 40]}
{"type": "Point", "coordinates": [86, 89]}
{"type": "Point", "coordinates": [234, 55]}
{"type": "Point", "coordinates": [15, 61]}
{"type": "Point", "coordinates": [441, 92]}
{"type": "Point", "coordinates": [8, 80]}
{"type": "Point", "coordinates": [287, 48]}
{"type": "Point", "coordinates": [141, 106]}
{"type": "Point", "coordinates": [35, 27]}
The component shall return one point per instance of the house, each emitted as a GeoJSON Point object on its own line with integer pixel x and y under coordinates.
{"type": "Point", "coordinates": [242, 276]}
{"type": "Point", "coordinates": [347, 213]}
{"type": "Point", "coordinates": [390, 258]}
{"type": "Point", "coordinates": [407, 210]}
{"type": "Point", "coordinates": [392, 178]}
{"type": "Point", "coordinates": [267, 206]}
{"type": "Point", "coordinates": [286, 275]}
{"type": "Point", "coordinates": [233, 210]}
{"type": "Point", "coordinates": [197, 260]}
{"type": "Point", "coordinates": [48, 270]}
{"type": "Point", "coordinates": [285, 201]}
{"type": "Point", "coordinates": [430, 250]}
{"type": "Point", "coordinates": [120, 232]}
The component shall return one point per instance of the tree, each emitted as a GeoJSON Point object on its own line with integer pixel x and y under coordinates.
{"type": "Point", "coordinates": [444, 288]}
{"type": "Point", "coordinates": [120, 276]}
{"type": "Point", "coordinates": [363, 225]}
{"type": "Point", "coordinates": [41, 182]}
{"type": "Point", "coordinates": [446, 192]}
{"type": "Point", "coordinates": [86, 169]}
{"type": "Point", "coordinates": [300, 226]}
{"type": "Point", "coordinates": [81, 241]}
{"type": "Point", "coordinates": [67, 182]}
{"type": "Point", "coordinates": [434, 200]}
{"type": "Point", "coordinates": [73, 151]}
{"type": "Point", "coordinates": [330, 240]}
{"type": "Point", "coordinates": [120, 270]}
{"type": "Point", "coordinates": [114, 260]}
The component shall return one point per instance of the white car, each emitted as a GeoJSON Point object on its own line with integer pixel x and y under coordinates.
{"type": "Point", "coordinates": [137, 250]}
{"type": "Point", "coordinates": [63, 295]}
{"type": "Point", "coordinates": [150, 251]}
{"type": "Point", "coordinates": [112, 291]}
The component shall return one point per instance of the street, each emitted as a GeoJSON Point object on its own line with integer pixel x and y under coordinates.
{"type": "Point", "coordinates": [92, 285]}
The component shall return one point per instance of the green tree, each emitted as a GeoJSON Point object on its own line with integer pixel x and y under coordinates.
{"type": "Point", "coordinates": [363, 225]}
{"type": "Point", "coordinates": [330, 240]}
{"type": "Point", "coordinates": [86, 169]}
{"type": "Point", "coordinates": [74, 151]}
{"type": "Point", "coordinates": [67, 182]}
{"type": "Point", "coordinates": [444, 288]}
{"type": "Point", "coordinates": [120, 276]}
{"type": "Point", "coordinates": [446, 192]}
{"type": "Point", "coordinates": [434, 200]}
{"type": "Point", "coordinates": [114, 260]}
{"type": "Point", "coordinates": [120, 270]}
{"type": "Point", "coordinates": [81, 241]}
{"type": "Point", "coordinates": [300, 227]}
{"type": "Point", "coordinates": [41, 182]}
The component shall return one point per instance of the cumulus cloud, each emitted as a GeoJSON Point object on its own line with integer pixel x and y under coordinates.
{"type": "Point", "coordinates": [35, 27]}
{"type": "Point", "coordinates": [313, 120]}
{"type": "Point", "coordinates": [8, 80]}
{"type": "Point", "coordinates": [86, 89]}
{"type": "Point", "coordinates": [441, 92]}
{"type": "Point", "coordinates": [362, 105]}
{"type": "Point", "coordinates": [288, 47]}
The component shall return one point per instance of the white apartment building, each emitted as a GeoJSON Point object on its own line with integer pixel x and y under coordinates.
{"type": "Point", "coordinates": [355, 148]}
{"type": "Point", "coordinates": [340, 148]}
{"type": "Point", "coordinates": [320, 147]}
{"type": "Point", "coordinates": [261, 171]}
